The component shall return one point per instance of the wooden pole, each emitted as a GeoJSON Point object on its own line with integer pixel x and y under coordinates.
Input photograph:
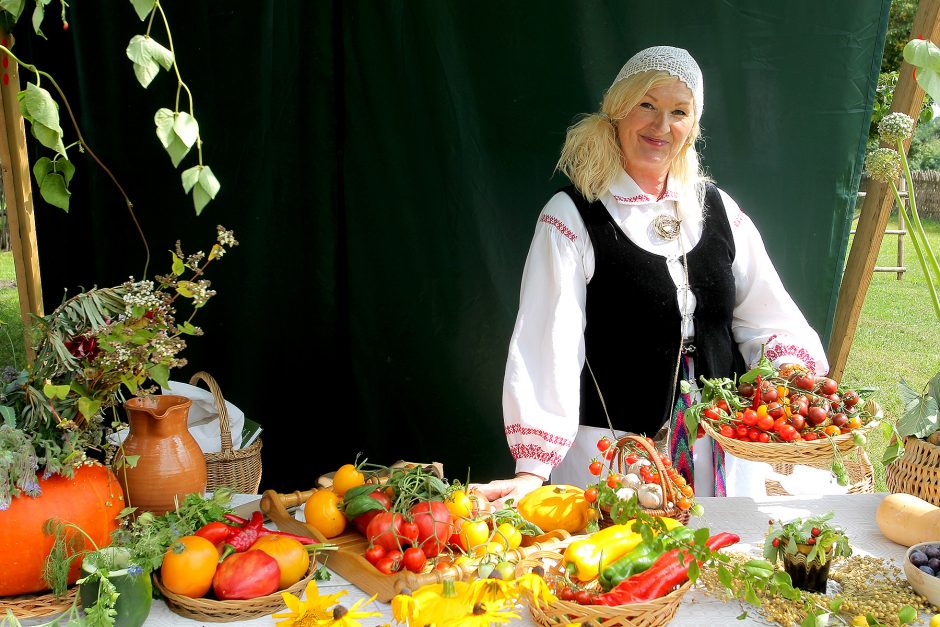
{"type": "Point", "coordinates": [14, 163]}
{"type": "Point", "coordinates": [908, 98]}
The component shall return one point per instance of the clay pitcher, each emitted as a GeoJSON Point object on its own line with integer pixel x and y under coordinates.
{"type": "Point", "coordinates": [171, 464]}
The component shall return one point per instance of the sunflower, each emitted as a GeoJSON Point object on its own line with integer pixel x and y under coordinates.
{"type": "Point", "coordinates": [309, 612]}
{"type": "Point", "coordinates": [537, 588]}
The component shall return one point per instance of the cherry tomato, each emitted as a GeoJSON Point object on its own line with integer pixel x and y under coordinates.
{"type": "Point", "coordinates": [596, 467]}
{"type": "Point", "coordinates": [746, 390]}
{"type": "Point", "coordinates": [583, 597]}
{"type": "Point", "coordinates": [816, 415]}
{"type": "Point", "coordinates": [507, 535]}
{"type": "Point", "coordinates": [769, 395]}
{"type": "Point", "coordinates": [414, 559]}
{"type": "Point", "coordinates": [827, 386]}
{"type": "Point", "coordinates": [374, 553]}
{"type": "Point", "coordinates": [765, 422]}
{"type": "Point", "coordinates": [475, 535]}
{"type": "Point", "coordinates": [722, 404]}
{"type": "Point", "coordinates": [749, 417]}
{"type": "Point", "coordinates": [787, 433]}
{"type": "Point", "coordinates": [590, 495]}
{"type": "Point", "coordinates": [409, 532]}
{"type": "Point", "coordinates": [809, 436]}
{"type": "Point", "coordinates": [460, 504]}
{"type": "Point", "coordinates": [632, 458]}
{"type": "Point", "coordinates": [854, 422]}
{"type": "Point", "coordinates": [711, 413]}
{"type": "Point", "coordinates": [775, 410]}
{"type": "Point", "coordinates": [839, 419]}
{"type": "Point", "coordinates": [727, 431]}
{"type": "Point", "coordinates": [763, 437]}
{"type": "Point", "coordinates": [613, 480]}
{"type": "Point", "coordinates": [753, 434]}
{"type": "Point", "coordinates": [832, 430]}
{"type": "Point", "coordinates": [683, 503]}
{"type": "Point", "coordinates": [387, 566]}
{"type": "Point", "coordinates": [850, 398]}
{"type": "Point", "coordinates": [687, 489]}
{"type": "Point", "coordinates": [798, 422]}
{"type": "Point", "coordinates": [741, 431]}
{"type": "Point", "coordinates": [805, 382]}
{"type": "Point", "coordinates": [603, 444]}
{"type": "Point", "coordinates": [609, 453]}
{"type": "Point", "coordinates": [566, 594]}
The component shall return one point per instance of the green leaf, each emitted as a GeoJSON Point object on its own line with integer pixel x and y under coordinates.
{"type": "Point", "coordinates": [919, 418]}
{"type": "Point", "coordinates": [751, 375]}
{"type": "Point", "coordinates": [54, 191]}
{"type": "Point", "coordinates": [168, 124]}
{"type": "Point", "coordinates": [750, 596]}
{"type": "Point", "coordinates": [88, 407]}
{"type": "Point", "coordinates": [8, 415]}
{"type": "Point", "coordinates": [143, 8]}
{"type": "Point", "coordinates": [694, 572]}
{"type": "Point", "coordinates": [186, 128]}
{"type": "Point", "coordinates": [131, 460]}
{"type": "Point", "coordinates": [887, 430]}
{"type": "Point", "coordinates": [185, 288]}
{"type": "Point", "coordinates": [925, 56]}
{"type": "Point", "coordinates": [14, 7]}
{"type": "Point", "coordinates": [691, 424]}
{"type": "Point", "coordinates": [907, 614]}
{"type": "Point", "coordinates": [206, 189]}
{"type": "Point", "coordinates": [933, 387]}
{"type": "Point", "coordinates": [724, 576]}
{"type": "Point", "coordinates": [40, 109]}
{"type": "Point", "coordinates": [701, 536]}
{"type": "Point", "coordinates": [55, 391]}
{"type": "Point", "coordinates": [187, 328]}
{"type": "Point", "coordinates": [742, 616]}
{"type": "Point", "coordinates": [38, 14]}
{"type": "Point", "coordinates": [131, 383]}
{"type": "Point", "coordinates": [160, 374]}
{"type": "Point", "coordinates": [148, 56]}
{"type": "Point", "coordinates": [178, 266]}
{"type": "Point", "coordinates": [190, 177]}
{"type": "Point", "coordinates": [907, 393]}
{"type": "Point", "coordinates": [893, 453]}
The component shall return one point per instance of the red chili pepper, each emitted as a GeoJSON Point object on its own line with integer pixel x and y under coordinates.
{"type": "Point", "coordinates": [658, 580]}
{"type": "Point", "coordinates": [215, 532]}
{"type": "Point", "coordinates": [757, 394]}
{"type": "Point", "coordinates": [244, 536]}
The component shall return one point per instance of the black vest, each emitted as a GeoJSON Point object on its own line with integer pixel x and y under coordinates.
{"type": "Point", "coordinates": [632, 337]}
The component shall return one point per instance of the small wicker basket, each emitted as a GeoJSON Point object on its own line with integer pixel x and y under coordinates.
{"type": "Point", "coordinates": [43, 604]}
{"type": "Point", "coordinates": [239, 469]}
{"type": "Point", "coordinates": [917, 472]}
{"type": "Point", "coordinates": [648, 614]}
{"type": "Point", "coordinates": [215, 611]}
{"type": "Point", "coordinates": [670, 494]}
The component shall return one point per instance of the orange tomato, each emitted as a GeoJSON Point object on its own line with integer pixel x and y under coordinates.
{"type": "Point", "coordinates": [346, 478]}
{"type": "Point", "coordinates": [854, 423]}
{"type": "Point", "coordinates": [459, 504]}
{"type": "Point", "coordinates": [291, 557]}
{"type": "Point", "coordinates": [189, 565]}
{"type": "Point", "coordinates": [833, 430]}
{"type": "Point", "coordinates": [321, 511]}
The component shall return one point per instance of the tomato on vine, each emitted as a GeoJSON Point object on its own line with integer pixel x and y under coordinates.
{"type": "Point", "coordinates": [590, 495]}
{"type": "Point", "coordinates": [603, 444]}
{"type": "Point", "coordinates": [613, 480]}
{"type": "Point", "coordinates": [596, 467]}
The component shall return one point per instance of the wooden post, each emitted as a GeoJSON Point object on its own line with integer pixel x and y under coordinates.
{"type": "Point", "coordinates": [17, 187]}
{"type": "Point", "coordinates": [908, 98]}
{"type": "Point", "coordinates": [901, 229]}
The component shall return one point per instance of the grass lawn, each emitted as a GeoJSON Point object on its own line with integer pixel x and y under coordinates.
{"type": "Point", "coordinates": [898, 335]}
{"type": "Point", "coordinates": [11, 326]}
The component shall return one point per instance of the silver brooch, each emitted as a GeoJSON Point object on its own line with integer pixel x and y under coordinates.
{"type": "Point", "coordinates": [667, 227]}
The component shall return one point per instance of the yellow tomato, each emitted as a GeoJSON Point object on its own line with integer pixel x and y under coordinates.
{"type": "Point", "coordinates": [346, 478]}
{"type": "Point", "coordinates": [935, 621]}
{"type": "Point", "coordinates": [459, 504]}
{"type": "Point", "coordinates": [291, 557]}
{"type": "Point", "coordinates": [494, 548]}
{"type": "Point", "coordinates": [475, 535]}
{"type": "Point", "coordinates": [321, 512]}
{"type": "Point", "coordinates": [508, 536]}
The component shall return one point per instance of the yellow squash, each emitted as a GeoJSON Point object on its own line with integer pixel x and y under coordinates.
{"type": "Point", "coordinates": [556, 507]}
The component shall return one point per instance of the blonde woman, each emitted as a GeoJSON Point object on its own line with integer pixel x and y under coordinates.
{"type": "Point", "coordinates": [641, 274]}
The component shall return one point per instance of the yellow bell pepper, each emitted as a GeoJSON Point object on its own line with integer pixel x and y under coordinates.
{"type": "Point", "coordinates": [556, 507]}
{"type": "Point", "coordinates": [587, 557]}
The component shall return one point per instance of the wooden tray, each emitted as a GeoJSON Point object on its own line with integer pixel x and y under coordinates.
{"type": "Point", "coordinates": [348, 560]}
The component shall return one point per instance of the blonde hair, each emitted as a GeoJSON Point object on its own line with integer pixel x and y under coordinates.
{"type": "Point", "coordinates": [592, 159]}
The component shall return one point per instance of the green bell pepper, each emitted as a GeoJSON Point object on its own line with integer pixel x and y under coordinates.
{"type": "Point", "coordinates": [642, 557]}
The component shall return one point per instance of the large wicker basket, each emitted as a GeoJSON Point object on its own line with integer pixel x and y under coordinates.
{"type": "Point", "coordinates": [917, 472]}
{"type": "Point", "coordinates": [860, 471]}
{"type": "Point", "coordinates": [670, 492]}
{"type": "Point", "coordinates": [649, 614]}
{"type": "Point", "coordinates": [215, 611]}
{"type": "Point", "coordinates": [239, 469]}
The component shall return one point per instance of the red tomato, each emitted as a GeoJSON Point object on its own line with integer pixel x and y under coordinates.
{"type": "Point", "coordinates": [722, 404]}
{"type": "Point", "coordinates": [749, 417]}
{"type": "Point", "coordinates": [362, 521]}
{"type": "Point", "coordinates": [787, 433]}
{"type": "Point", "coordinates": [603, 444]}
{"type": "Point", "coordinates": [810, 436]}
{"type": "Point", "coordinates": [609, 453]}
{"type": "Point", "coordinates": [840, 420]}
{"type": "Point", "coordinates": [414, 559]}
{"type": "Point", "coordinates": [632, 458]}
{"type": "Point", "coordinates": [385, 530]}
{"type": "Point", "coordinates": [374, 553]}
{"type": "Point", "coordinates": [596, 468]}
{"type": "Point", "coordinates": [409, 532]}
{"type": "Point", "coordinates": [775, 410]}
{"type": "Point", "coordinates": [727, 431]}
{"type": "Point", "coordinates": [434, 526]}
{"type": "Point", "coordinates": [753, 434]}
{"type": "Point", "coordinates": [827, 386]}
{"type": "Point", "coordinates": [583, 597]}
{"type": "Point", "coordinates": [711, 413]}
{"type": "Point", "coordinates": [798, 422]}
{"type": "Point", "coordinates": [763, 437]}
{"type": "Point", "coordinates": [387, 566]}
{"type": "Point", "coordinates": [816, 415]}
{"type": "Point", "coordinates": [850, 398]}
{"type": "Point", "coordinates": [765, 422]}
{"type": "Point", "coordinates": [590, 495]}
{"type": "Point", "coordinates": [741, 431]}
{"type": "Point", "coordinates": [805, 382]}
{"type": "Point", "coordinates": [746, 390]}
{"type": "Point", "coordinates": [769, 395]}
{"type": "Point", "coordinates": [613, 480]}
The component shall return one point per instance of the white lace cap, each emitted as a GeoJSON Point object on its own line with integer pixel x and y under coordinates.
{"type": "Point", "coordinates": [676, 61]}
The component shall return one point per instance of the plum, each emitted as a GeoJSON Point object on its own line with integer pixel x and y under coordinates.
{"type": "Point", "coordinates": [918, 558]}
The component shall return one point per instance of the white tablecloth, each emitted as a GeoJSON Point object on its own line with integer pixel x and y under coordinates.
{"type": "Point", "coordinates": [745, 516]}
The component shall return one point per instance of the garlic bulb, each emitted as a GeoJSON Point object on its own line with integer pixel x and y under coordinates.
{"type": "Point", "coordinates": [632, 481]}
{"type": "Point", "coordinates": [625, 494]}
{"type": "Point", "coordinates": [650, 496]}
{"type": "Point", "coordinates": [634, 468]}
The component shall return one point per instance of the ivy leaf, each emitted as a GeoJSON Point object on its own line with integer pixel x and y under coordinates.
{"type": "Point", "coordinates": [40, 109]}
{"type": "Point", "coordinates": [907, 393]}
{"type": "Point", "coordinates": [88, 407]}
{"type": "Point", "coordinates": [203, 183]}
{"type": "Point", "coordinates": [53, 178]}
{"type": "Point", "coordinates": [160, 374]}
{"type": "Point", "coordinates": [919, 418]}
{"type": "Point", "coordinates": [178, 266]}
{"type": "Point", "coordinates": [39, 13]}
{"type": "Point", "coordinates": [893, 453]}
{"type": "Point", "coordinates": [55, 391]}
{"type": "Point", "coordinates": [177, 132]}
{"type": "Point", "coordinates": [131, 383]}
{"type": "Point", "coordinates": [143, 8]}
{"type": "Point", "coordinates": [14, 7]}
{"type": "Point", "coordinates": [925, 56]}
{"type": "Point", "coordinates": [148, 56]}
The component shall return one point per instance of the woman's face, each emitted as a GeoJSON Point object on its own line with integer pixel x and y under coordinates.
{"type": "Point", "coordinates": [654, 131]}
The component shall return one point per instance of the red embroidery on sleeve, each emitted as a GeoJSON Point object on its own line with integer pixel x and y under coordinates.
{"type": "Point", "coordinates": [531, 451]}
{"type": "Point", "coordinates": [738, 219]}
{"type": "Point", "coordinates": [558, 224]}
{"type": "Point", "coordinates": [775, 351]}
{"type": "Point", "coordinates": [551, 438]}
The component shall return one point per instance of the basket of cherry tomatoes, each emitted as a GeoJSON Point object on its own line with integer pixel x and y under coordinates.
{"type": "Point", "coordinates": [785, 415]}
{"type": "Point", "coordinates": [635, 470]}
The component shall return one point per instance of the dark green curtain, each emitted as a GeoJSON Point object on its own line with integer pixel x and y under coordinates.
{"type": "Point", "coordinates": [383, 165]}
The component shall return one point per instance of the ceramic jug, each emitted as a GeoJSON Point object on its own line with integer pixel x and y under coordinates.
{"type": "Point", "coordinates": [170, 464]}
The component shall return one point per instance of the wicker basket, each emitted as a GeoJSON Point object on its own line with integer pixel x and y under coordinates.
{"type": "Point", "coordinates": [670, 495]}
{"type": "Point", "coordinates": [239, 469]}
{"type": "Point", "coordinates": [861, 475]}
{"type": "Point", "coordinates": [37, 605]}
{"type": "Point", "coordinates": [214, 611]}
{"type": "Point", "coordinates": [917, 472]}
{"type": "Point", "coordinates": [813, 453]}
{"type": "Point", "coordinates": [649, 614]}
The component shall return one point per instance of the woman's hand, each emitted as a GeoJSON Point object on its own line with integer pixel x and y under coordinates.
{"type": "Point", "coordinates": [499, 491]}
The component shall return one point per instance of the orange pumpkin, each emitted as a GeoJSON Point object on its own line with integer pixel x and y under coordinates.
{"type": "Point", "coordinates": [91, 500]}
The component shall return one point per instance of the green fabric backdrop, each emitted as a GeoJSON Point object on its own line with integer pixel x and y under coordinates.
{"type": "Point", "coordinates": [383, 165]}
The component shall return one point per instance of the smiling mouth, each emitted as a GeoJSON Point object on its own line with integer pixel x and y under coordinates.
{"type": "Point", "coordinates": [654, 142]}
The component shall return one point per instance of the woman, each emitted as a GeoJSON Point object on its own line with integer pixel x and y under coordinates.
{"type": "Point", "coordinates": [639, 275]}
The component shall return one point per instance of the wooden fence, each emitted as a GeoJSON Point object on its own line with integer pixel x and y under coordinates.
{"type": "Point", "coordinates": [926, 192]}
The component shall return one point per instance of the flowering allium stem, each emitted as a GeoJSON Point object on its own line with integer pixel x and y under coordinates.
{"type": "Point", "coordinates": [915, 235]}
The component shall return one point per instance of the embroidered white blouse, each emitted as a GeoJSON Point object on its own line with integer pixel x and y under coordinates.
{"type": "Point", "coordinates": [541, 389]}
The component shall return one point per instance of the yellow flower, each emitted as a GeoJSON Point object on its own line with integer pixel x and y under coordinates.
{"type": "Point", "coordinates": [482, 615]}
{"type": "Point", "coordinates": [312, 611]}
{"type": "Point", "coordinates": [349, 618]}
{"type": "Point", "coordinates": [435, 603]}
{"type": "Point", "coordinates": [493, 590]}
{"type": "Point", "coordinates": [536, 587]}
